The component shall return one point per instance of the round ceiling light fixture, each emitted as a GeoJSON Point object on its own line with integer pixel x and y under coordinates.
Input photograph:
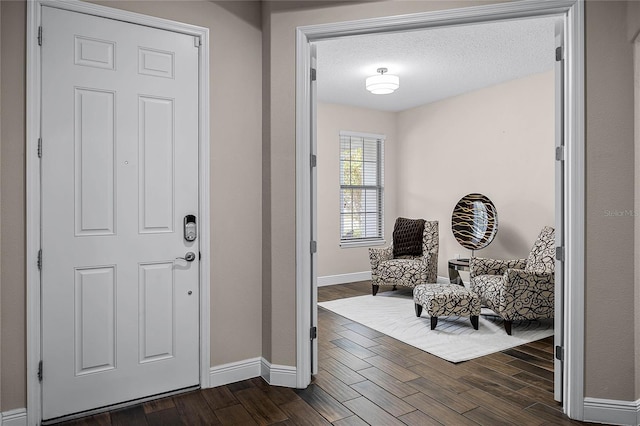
{"type": "Point", "coordinates": [382, 84]}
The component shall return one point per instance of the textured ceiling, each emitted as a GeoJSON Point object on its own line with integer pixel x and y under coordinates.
{"type": "Point", "coordinates": [433, 64]}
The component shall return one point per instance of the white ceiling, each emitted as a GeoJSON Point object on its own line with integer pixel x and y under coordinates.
{"type": "Point", "coordinates": [433, 64]}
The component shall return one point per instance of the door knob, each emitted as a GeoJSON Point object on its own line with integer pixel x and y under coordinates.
{"type": "Point", "coordinates": [189, 256]}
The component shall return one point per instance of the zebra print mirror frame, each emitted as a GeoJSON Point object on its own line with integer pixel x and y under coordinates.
{"type": "Point", "coordinates": [474, 221]}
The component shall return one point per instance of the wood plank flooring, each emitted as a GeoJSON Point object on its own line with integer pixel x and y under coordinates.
{"type": "Point", "coordinates": [366, 377]}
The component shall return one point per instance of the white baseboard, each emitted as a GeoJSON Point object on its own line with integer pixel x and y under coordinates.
{"type": "Point", "coordinates": [352, 277]}
{"type": "Point", "coordinates": [17, 417]}
{"type": "Point", "coordinates": [611, 411]}
{"type": "Point", "coordinates": [234, 372]}
{"type": "Point", "coordinates": [355, 277]}
{"type": "Point", "coordinates": [276, 375]}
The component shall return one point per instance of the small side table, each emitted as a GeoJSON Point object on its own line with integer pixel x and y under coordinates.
{"type": "Point", "coordinates": [456, 265]}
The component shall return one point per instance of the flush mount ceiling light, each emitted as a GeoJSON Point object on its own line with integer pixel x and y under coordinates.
{"type": "Point", "coordinates": [382, 84]}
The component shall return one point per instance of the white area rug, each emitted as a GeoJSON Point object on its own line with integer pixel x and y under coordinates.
{"type": "Point", "coordinates": [454, 338]}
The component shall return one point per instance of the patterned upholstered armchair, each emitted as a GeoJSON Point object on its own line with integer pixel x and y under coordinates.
{"type": "Point", "coordinates": [406, 270]}
{"type": "Point", "coordinates": [518, 289]}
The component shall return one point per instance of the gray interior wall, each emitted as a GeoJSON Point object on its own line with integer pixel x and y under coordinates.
{"type": "Point", "coordinates": [266, 182]}
{"type": "Point", "coordinates": [637, 217]}
{"type": "Point", "coordinates": [0, 209]}
{"type": "Point", "coordinates": [609, 354]}
{"type": "Point", "coordinates": [633, 35]}
{"type": "Point", "coordinates": [634, 7]}
{"type": "Point", "coordinates": [12, 201]}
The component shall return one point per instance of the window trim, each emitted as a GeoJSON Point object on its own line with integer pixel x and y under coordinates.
{"type": "Point", "coordinates": [371, 241]}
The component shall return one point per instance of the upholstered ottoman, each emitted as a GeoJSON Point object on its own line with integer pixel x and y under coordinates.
{"type": "Point", "coordinates": [441, 300]}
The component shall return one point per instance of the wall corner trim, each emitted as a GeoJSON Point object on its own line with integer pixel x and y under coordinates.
{"type": "Point", "coordinates": [611, 411]}
{"type": "Point", "coordinates": [278, 375]}
{"type": "Point", "coordinates": [273, 374]}
{"type": "Point", "coordinates": [17, 417]}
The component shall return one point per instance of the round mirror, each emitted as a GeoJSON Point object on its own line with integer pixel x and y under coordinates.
{"type": "Point", "coordinates": [474, 221]}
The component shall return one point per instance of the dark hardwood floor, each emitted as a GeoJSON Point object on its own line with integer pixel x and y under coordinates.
{"type": "Point", "coordinates": [366, 377]}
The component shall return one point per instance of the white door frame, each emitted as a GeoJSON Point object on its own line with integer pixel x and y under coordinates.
{"type": "Point", "coordinates": [573, 13]}
{"type": "Point", "coordinates": [33, 187]}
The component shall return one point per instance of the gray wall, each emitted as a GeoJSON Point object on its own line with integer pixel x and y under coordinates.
{"type": "Point", "coordinates": [609, 355]}
{"type": "Point", "coordinates": [1, 137]}
{"type": "Point", "coordinates": [12, 230]}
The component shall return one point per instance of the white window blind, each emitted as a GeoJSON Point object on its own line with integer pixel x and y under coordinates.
{"type": "Point", "coordinates": [361, 187]}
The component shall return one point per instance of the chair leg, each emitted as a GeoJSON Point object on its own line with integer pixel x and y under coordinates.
{"type": "Point", "coordinates": [507, 326]}
{"type": "Point", "coordinates": [474, 321]}
{"type": "Point", "coordinates": [434, 322]}
{"type": "Point", "coordinates": [394, 288]}
{"type": "Point", "coordinates": [374, 289]}
{"type": "Point", "coordinates": [418, 309]}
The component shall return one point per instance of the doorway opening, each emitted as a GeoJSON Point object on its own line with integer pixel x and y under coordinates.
{"type": "Point", "coordinates": [573, 185]}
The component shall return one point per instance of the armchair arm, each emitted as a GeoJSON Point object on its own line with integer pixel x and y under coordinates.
{"type": "Point", "coordinates": [527, 295]}
{"type": "Point", "coordinates": [428, 258]}
{"type": "Point", "coordinates": [484, 266]}
{"type": "Point", "coordinates": [377, 255]}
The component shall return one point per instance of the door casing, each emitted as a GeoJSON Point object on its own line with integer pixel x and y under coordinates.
{"type": "Point", "coordinates": [572, 12]}
{"type": "Point", "coordinates": [33, 187]}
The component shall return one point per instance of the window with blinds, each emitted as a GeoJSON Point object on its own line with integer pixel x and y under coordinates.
{"type": "Point", "coordinates": [361, 188]}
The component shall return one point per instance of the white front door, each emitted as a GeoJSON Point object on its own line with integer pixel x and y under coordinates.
{"type": "Point", "coordinates": [119, 171]}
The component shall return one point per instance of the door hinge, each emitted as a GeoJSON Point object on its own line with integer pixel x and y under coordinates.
{"type": "Point", "coordinates": [314, 247]}
{"type": "Point", "coordinates": [314, 333]}
{"type": "Point", "coordinates": [197, 42]}
{"type": "Point", "coordinates": [559, 53]}
{"type": "Point", "coordinates": [40, 371]}
{"type": "Point", "coordinates": [560, 254]}
{"type": "Point", "coordinates": [40, 35]}
{"type": "Point", "coordinates": [313, 74]}
{"type": "Point", "coordinates": [559, 153]}
{"type": "Point", "coordinates": [314, 160]}
{"type": "Point", "coordinates": [559, 353]}
{"type": "Point", "coordinates": [39, 261]}
{"type": "Point", "coordinates": [39, 147]}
